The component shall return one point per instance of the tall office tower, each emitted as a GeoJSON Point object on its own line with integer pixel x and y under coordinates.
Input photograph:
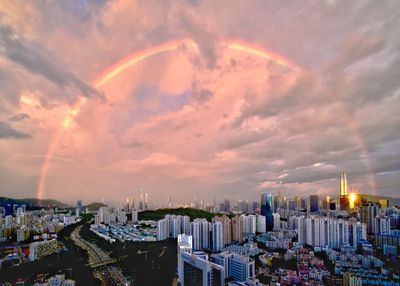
{"type": "Point", "coordinates": [314, 203]}
{"type": "Point", "coordinates": [261, 225]}
{"type": "Point", "coordinates": [266, 210]}
{"type": "Point", "coordinates": [218, 236]}
{"type": "Point", "coordinates": [127, 208]}
{"type": "Point", "coordinates": [278, 202]}
{"type": "Point", "coordinates": [242, 268]}
{"type": "Point", "coordinates": [141, 200]}
{"type": "Point", "coordinates": [344, 199]}
{"type": "Point", "coordinates": [227, 227]}
{"type": "Point", "coordinates": [237, 228]}
{"type": "Point", "coordinates": [195, 270]}
{"type": "Point", "coordinates": [146, 201]}
{"type": "Point", "coordinates": [343, 185]}
{"type": "Point", "coordinates": [368, 213]}
{"type": "Point", "coordinates": [162, 229]}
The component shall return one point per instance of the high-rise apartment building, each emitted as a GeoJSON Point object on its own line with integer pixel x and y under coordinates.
{"type": "Point", "coordinates": [368, 213]}
{"type": "Point", "coordinates": [227, 227]}
{"type": "Point", "coordinates": [261, 224]}
{"type": "Point", "coordinates": [217, 236]}
{"type": "Point", "coordinates": [162, 229]}
{"type": "Point", "coordinates": [200, 230]}
{"type": "Point", "coordinates": [237, 228]}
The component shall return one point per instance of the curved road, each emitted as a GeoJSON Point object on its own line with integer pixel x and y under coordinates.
{"type": "Point", "coordinates": [109, 275]}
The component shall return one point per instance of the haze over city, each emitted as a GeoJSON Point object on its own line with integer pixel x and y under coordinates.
{"type": "Point", "coordinates": [190, 99]}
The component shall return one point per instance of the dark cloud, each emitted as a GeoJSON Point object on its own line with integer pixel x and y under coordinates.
{"type": "Point", "coordinates": [37, 60]}
{"type": "Point", "coordinates": [202, 95]}
{"type": "Point", "coordinates": [19, 117]}
{"type": "Point", "coordinates": [7, 132]}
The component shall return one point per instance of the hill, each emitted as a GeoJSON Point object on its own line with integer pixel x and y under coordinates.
{"type": "Point", "coordinates": [160, 213]}
{"type": "Point", "coordinates": [33, 203]}
{"type": "Point", "coordinates": [94, 206]}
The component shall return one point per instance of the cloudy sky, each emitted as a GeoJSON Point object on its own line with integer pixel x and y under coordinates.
{"type": "Point", "coordinates": [199, 122]}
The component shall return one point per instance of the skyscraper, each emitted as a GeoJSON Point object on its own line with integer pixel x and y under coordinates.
{"type": "Point", "coordinates": [266, 210]}
{"type": "Point", "coordinates": [343, 185]}
{"type": "Point", "coordinates": [141, 200]}
{"type": "Point", "coordinates": [146, 201]}
{"type": "Point", "coordinates": [344, 200]}
{"type": "Point", "coordinates": [314, 203]}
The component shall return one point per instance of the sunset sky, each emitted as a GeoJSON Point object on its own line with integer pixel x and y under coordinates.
{"type": "Point", "coordinates": [221, 98]}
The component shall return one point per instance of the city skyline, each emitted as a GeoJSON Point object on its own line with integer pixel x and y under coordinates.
{"type": "Point", "coordinates": [187, 103]}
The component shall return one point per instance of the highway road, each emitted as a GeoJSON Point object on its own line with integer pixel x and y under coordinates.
{"type": "Point", "coordinates": [110, 275]}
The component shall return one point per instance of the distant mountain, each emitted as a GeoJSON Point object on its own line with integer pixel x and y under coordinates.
{"type": "Point", "coordinates": [94, 206]}
{"type": "Point", "coordinates": [33, 203]}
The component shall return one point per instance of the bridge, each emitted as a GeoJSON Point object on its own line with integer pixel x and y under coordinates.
{"type": "Point", "coordinates": [101, 263]}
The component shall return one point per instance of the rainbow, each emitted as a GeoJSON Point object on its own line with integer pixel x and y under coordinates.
{"type": "Point", "coordinates": [133, 59]}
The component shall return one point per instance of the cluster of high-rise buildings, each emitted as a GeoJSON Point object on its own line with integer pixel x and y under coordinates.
{"type": "Point", "coordinates": [221, 231]}
{"type": "Point", "coordinates": [23, 223]}
{"type": "Point", "coordinates": [200, 268]}
{"type": "Point", "coordinates": [338, 226]}
{"type": "Point", "coordinates": [108, 215]}
{"type": "Point", "coordinates": [141, 205]}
